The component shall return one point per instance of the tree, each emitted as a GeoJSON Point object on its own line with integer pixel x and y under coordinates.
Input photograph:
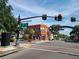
{"type": "Point", "coordinates": [28, 34]}
{"type": "Point", "coordinates": [75, 30]}
{"type": "Point", "coordinates": [74, 33]}
{"type": "Point", "coordinates": [54, 29]}
{"type": "Point", "coordinates": [7, 20]}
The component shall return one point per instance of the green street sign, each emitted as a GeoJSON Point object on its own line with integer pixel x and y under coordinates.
{"type": "Point", "coordinates": [23, 25]}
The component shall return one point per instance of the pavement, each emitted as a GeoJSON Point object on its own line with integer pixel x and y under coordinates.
{"type": "Point", "coordinates": [12, 49]}
{"type": "Point", "coordinates": [30, 53]}
{"type": "Point", "coordinates": [39, 45]}
{"type": "Point", "coordinates": [63, 50]}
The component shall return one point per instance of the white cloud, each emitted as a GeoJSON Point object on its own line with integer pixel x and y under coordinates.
{"type": "Point", "coordinates": [33, 8]}
{"type": "Point", "coordinates": [36, 9]}
{"type": "Point", "coordinates": [72, 8]}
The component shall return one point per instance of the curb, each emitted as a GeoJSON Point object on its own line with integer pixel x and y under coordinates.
{"type": "Point", "coordinates": [12, 51]}
{"type": "Point", "coordinates": [8, 52]}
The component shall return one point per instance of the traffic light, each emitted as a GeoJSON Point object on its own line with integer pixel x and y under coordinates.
{"type": "Point", "coordinates": [56, 18]}
{"type": "Point", "coordinates": [59, 17]}
{"type": "Point", "coordinates": [19, 20]}
{"type": "Point", "coordinates": [44, 17]}
{"type": "Point", "coordinates": [73, 19]}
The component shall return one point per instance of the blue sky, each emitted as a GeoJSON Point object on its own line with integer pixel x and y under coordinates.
{"type": "Point", "coordinates": [27, 8]}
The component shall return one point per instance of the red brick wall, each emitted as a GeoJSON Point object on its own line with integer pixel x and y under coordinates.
{"type": "Point", "coordinates": [41, 29]}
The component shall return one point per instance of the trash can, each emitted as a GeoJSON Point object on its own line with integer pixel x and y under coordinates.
{"type": "Point", "coordinates": [5, 40]}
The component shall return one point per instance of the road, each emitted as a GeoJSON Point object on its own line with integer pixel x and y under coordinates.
{"type": "Point", "coordinates": [38, 54]}
{"type": "Point", "coordinates": [47, 51]}
{"type": "Point", "coordinates": [60, 44]}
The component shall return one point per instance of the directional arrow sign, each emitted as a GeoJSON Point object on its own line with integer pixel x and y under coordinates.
{"type": "Point", "coordinates": [23, 25]}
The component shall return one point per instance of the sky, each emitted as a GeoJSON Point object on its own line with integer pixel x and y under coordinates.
{"type": "Point", "coordinates": [27, 8]}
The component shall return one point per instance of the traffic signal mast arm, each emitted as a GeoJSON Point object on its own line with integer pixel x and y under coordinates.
{"type": "Point", "coordinates": [36, 17]}
{"type": "Point", "coordinates": [30, 17]}
{"type": "Point", "coordinates": [44, 17]}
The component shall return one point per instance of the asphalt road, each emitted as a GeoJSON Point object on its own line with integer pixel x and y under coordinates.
{"type": "Point", "coordinates": [61, 44]}
{"type": "Point", "coordinates": [38, 54]}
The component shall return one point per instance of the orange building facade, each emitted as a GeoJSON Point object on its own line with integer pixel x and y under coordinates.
{"type": "Point", "coordinates": [41, 32]}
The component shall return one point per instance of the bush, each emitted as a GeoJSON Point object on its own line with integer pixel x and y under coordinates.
{"type": "Point", "coordinates": [25, 37]}
{"type": "Point", "coordinates": [13, 39]}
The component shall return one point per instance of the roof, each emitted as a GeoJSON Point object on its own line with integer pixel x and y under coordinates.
{"type": "Point", "coordinates": [38, 25]}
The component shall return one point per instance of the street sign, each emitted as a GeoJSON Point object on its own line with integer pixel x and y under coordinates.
{"type": "Point", "coordinates": [23, 26]}
{"type": "Point", "coordinates": [26, 21]}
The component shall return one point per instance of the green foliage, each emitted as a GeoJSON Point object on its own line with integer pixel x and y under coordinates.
{"type": "Point", "coordinates": [61, 36]}
{"type": "Point", "coordinates": [7, 20]}
{"type": "Point", "coordinates": [75, 30]}
{"type": "Point", "coordinates": [29, 32]}
{"type": "Point", "coordinates": [55, 29]}
{"type": "Point", "coordinates": [74, 33]}
{"type": "Point", "coordinates": [25, 36]}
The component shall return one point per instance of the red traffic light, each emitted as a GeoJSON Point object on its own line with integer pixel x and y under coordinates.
{"type": "Point", "coordinates": [59, 17]}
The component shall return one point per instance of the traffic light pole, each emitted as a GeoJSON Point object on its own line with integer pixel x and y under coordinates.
{"type": "Point", "coordinates": [44, 17]}
{"type": "Point", "coordinates": [18, 31]}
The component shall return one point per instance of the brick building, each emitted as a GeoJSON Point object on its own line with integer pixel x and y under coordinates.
{"type": "Point", "coordinates": [41, 32]}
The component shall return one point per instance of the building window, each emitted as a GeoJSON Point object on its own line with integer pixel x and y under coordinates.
{"type": "Point", "coordinates": [37, 29]}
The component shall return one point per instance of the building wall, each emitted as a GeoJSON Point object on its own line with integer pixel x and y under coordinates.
{"type": "Point", "coordinates": [41, 32]}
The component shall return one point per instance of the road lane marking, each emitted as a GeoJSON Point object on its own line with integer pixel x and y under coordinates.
{"type": "Point", "coordinates": [62, 52]}
{"type": "Point", "coordinates": [57, 47]}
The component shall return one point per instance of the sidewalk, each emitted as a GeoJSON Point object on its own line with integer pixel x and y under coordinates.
{"type": "Point", "coordinates": [12, 49]}
{"type": "Point", "coordinates": [7, 50]}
